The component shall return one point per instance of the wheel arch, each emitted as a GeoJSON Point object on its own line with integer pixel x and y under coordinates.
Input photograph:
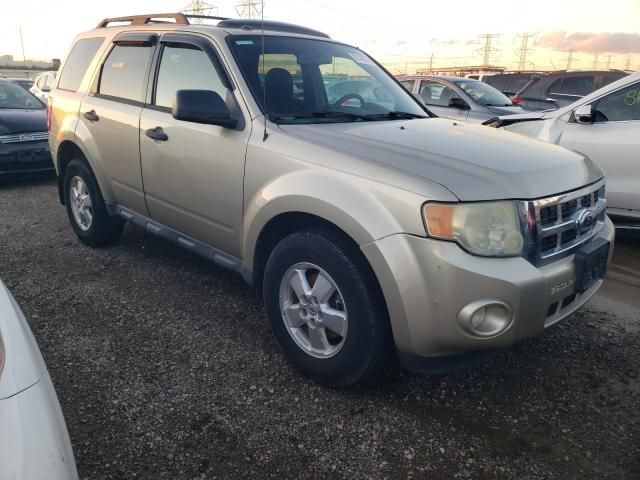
{"type": "Point", "coordinates": [68, 150]}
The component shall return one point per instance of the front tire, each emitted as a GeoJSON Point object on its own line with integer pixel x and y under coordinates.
{"type": "Point", "coordinates": [326, 309]}
{"type": "Point", "coordinates": [86, 209]}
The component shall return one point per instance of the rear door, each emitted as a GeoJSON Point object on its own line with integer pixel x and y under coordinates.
{"type": "Point", "coordinates": [613, 141]}
{"type": "Point", "coordinates": [110, 116]}
{"type": "Point", "coordinates": [194, 178]}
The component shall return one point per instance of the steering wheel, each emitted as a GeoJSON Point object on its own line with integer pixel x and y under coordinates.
{"type": "Point", "coordinates": [349, 96]}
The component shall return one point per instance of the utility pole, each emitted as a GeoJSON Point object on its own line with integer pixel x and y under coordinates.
{"type": "Point", "coordinates": [431, 64]}
{"type": "Point", "coordinates": [488, 50]}
{"type": "Point", "coordinates": [24, 58]}
{"type": "Point", "coordinates": [595, 60]}
{"type": "Point", "coordinates": [198, 7]}
{"type": "Point", "coordinates": [524, 49]}
{"type": "Point", "coordinates": [250, 8]}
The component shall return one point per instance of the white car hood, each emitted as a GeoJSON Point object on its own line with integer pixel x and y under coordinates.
{"type": "Point", "coordinates": [474, 162]}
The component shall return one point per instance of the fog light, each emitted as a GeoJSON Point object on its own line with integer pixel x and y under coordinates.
{"type": "Point", "coordinates": [485, 318]}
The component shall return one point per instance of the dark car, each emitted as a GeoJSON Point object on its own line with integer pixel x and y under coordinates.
{"type": "Point", "coordinates": [23, 82]}
{"type": "Point", "coordinates": [510, 83]}
{"type": "Point", "coordinates": [559, 89]}
{"type": "Point", "coordinates": [23, 131]}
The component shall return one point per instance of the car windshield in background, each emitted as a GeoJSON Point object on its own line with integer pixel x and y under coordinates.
{"type": "Point", "coordinates": [315, 81]}
{"type": "Point", "coordinates": [484, 94]}
{"type": "Point", "coordinates": [13, 96]}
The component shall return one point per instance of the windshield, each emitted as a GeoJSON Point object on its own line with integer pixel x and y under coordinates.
{"type": "Point", "coordinates": [315, 81]}
{"type": "Point", "coordinates": [484, 94]}
{"type": "Point", "coordinates": [13, 96]}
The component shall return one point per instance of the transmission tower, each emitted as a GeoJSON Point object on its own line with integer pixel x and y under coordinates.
{"type": "Point", "coordinates": [488, 50]}
{"type": "Point", "coordinates": [570, 59]}
{"type": "Point", "coordinates": [250, 8]}
{"type": "Point", "coordinates": [595, 60]}
{"type": "Point", "coordinates": [524, 49]}
{"type": "Point", "coordinates": [198, 7]}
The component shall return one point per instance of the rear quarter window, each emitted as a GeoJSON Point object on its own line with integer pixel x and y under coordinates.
{"type": "Point", "coordinates": [78, 61]}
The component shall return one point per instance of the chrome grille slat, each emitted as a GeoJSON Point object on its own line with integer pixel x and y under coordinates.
{"type": "Point", "coordinates": [553, 226]}
{"type": "Point", "coordinates": [24, 137]}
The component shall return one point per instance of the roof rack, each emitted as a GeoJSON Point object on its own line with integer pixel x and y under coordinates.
{"type": "Point", "coordinates": [223, 22]}
{"type": "Point", "coordinates": [178, 19]}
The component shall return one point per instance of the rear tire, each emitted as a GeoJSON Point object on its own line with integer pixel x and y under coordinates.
{"type": "Point", "coordinates": [86, 208]}
{"type": "Point", "coordinates": [339, 284]}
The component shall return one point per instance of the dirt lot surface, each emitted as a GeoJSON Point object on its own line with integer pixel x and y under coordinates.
{"type": "Point", "coordinates": [165, 368]}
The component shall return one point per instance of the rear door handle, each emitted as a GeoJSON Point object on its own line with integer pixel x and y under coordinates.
{"type": "Point", "coordinates": [157, 134]}
{"type": "Point", "coordinates": [91, 116]}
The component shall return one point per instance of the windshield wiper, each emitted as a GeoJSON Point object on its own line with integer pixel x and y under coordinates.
{"type": "Point", "coordinates": [328, 114]}
{"type": "Point", "coordinates": [393, 115]}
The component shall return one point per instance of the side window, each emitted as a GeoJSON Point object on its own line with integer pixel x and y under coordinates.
{"type": "Point", "coordinates": [183, 67]}
{"type": "Point", "coordinates": [620, 106]}
{"type": "Point", "coordinates": [577, 85]}
{"type": "Point", "coordinates": [124, 72]}
{"type": "Point", "coordinates": [78, 61]}
{"type": "Point", "coordinates": [556, 87]}
{"type": "Point", "coordinates": [437, 94]}
{"type": "Point", "coordinates": [408, 84]}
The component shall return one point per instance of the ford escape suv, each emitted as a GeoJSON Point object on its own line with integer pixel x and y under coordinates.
{"type": "Point", "coordinates": [370, 226]}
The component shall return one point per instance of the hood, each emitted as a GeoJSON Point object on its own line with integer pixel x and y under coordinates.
{"type": "Point", "coordinates": [21, 121]}
{"type": "Point", "coordinates": [473, 162]}
{"type": "Point", "coordinates": [510, 110]}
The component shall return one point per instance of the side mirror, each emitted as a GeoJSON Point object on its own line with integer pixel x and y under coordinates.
{"type": "Point", "coordinates": [202, 106]}
{"type": "Point", "coordinates": [458, 103]}
{"type": "Point", "coordinates": [46, 89]}
{"type": "Point", "coordinates": [583, 114]}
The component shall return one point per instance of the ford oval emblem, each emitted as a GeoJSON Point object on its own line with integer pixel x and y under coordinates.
{"type": "Point", "coordinates": [586, 221]}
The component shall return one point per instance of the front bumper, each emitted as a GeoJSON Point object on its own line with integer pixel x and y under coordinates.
{"type": "Point", "coordinates": [29, 157]}
{"type": "Point", "coordinates": [427, 282]}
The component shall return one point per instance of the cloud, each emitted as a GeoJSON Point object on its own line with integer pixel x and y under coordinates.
{"type": "Point", "coordinates": [591, 42]}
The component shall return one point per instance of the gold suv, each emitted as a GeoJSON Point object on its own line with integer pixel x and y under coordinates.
{"type": "Point", "coordinates": [371, 227]}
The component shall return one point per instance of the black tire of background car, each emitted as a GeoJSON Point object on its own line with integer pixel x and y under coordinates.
{"type": "Point", "coordinates": [368, 346]}
{"type": "Point", "coordinates": [104, 229]}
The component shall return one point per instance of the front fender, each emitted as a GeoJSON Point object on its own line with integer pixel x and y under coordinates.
{"type": "Point", "coordinates": [365, 210]}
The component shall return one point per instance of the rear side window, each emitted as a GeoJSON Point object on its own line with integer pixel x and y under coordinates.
{"type": "Point", "coordinates": [185, 68]}
{"type": "Point", "coordinates": [517, 83]}
{"type": "Point", "coordinates": [77, 62]}
{"type": "Point", "coordinates": [499, 82]}
{"type": "Point", "coordinates": [408, 84]}
{"type": "Point", "coordinates": [577, 86]}
{"type": "Point", "coordinates": [124, 72]}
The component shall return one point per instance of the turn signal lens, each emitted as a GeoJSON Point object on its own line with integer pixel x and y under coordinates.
{"type": "Point", "coordinates": [439, 220]}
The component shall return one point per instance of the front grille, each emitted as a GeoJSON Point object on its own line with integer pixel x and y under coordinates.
{"type": "Point", "coordinates": [562, 223]}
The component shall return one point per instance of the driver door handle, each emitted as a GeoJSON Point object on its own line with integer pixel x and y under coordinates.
{"type": "Point", "coordinates": [91, 116]}
{"type": "Point", "coordinates": [157, 134]}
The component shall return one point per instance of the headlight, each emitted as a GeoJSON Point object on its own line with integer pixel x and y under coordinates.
{"type": "Point", "coordinates": [490, 229]}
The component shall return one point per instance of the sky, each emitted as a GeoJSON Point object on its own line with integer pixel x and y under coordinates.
{"type": "Point", "coordinates": [403, 34]}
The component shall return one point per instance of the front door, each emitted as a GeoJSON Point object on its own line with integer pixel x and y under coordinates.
{"type": "Point", "coordinates": [613, 142]}
{"type": "Point", "coordinates": [193, 180]}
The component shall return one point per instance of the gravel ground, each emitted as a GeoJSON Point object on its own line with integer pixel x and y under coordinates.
{"type": "Point", "coordinates": [165, 368]}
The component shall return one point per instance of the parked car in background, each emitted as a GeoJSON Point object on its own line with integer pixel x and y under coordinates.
{"type": "Point", "coordinates": [459, 98]}
{"type": "Point", "coordinates": [25, 83]}
{"type": "Point", "coordinates": [24, 143]}
{"type": "Point", "coordinates": [605, 126]}
{"type": "Point", "coordinates": [43, 84]}
{"type": "Point", "coordinates": [354, 219]}
{"type": "Point", "coordinates": [509, 83]}
{"type": "Point", "coordinates": [366, 89]}
{"type": "Point", "coordinates": [33, 435]}
{"type": "Point", "coordinates": [559, 89]}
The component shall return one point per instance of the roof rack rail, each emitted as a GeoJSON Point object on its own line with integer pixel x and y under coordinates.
{"type": "Point", "coordinates": [257, 24]}
{"type": "Point", "coordinates": [179, 19]}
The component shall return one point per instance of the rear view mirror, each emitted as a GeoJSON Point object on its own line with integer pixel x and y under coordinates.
{"type": "Point", "coordinates": [202, 106]}
{"type": "Point", "coordinates": [458, 103]}
{"type": "Point", "coordinates": [583, 114]}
